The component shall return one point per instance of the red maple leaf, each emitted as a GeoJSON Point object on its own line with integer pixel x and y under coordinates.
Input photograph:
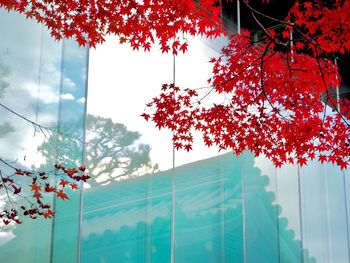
{"type": "Point", "coordinates": [17, 190]}
{"type": "Point", "coordinates": [35, 187]}
{"type": "Point", "coordinates": [48, 214]}
{"type": "Point", "coordinates": [19, 172]}
{"type": "Point", "coordinates": [71, 172]}
{"type": "Point", "coordinates": [63, 183]}
{"type": "Point", "coordinates": [49, 188]}
{"type": "Point", "coordinates": [74, 186]}
{"type": "Point", "coordinates": [62, 195]}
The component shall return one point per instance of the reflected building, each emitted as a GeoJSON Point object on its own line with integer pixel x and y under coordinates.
{"type": "Point", "coordinates": [160, 206]}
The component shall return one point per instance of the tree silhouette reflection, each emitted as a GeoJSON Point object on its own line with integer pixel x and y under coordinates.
{"type": "Point", "coordinates": [111, 150]}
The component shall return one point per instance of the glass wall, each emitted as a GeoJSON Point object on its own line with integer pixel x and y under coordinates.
{"type": "Point", "coordinates": [202, 206]}
{"type": "Point", "coordinates": [145, 202]}
{"type": "Point", "coordinates": [42, 109]}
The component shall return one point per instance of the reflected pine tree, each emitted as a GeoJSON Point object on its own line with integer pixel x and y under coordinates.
{"type": "Point", "coordinates": [111, 150]}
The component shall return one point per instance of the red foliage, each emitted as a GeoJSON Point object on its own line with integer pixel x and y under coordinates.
{"type": "Point", "coordinates": [276, 91]}
{"type": "Point", "coordinates": [134, 21]}
{"type": "Point", "coordinates": [35, 202]}
{"type": "Point", "coordinates": [325, 23]}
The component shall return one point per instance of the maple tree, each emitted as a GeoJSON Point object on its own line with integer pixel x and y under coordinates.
{"type": "Point", "coordinates": [278, 91]}
{"type": "Point", "coordinates": [137, 22]}
{"type": "Point", "coordinates": [278, 87]}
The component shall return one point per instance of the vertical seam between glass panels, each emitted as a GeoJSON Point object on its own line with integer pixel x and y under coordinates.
{"type": "Point", "coordinates": [148, 216]}
{"type": "Point", "coordinates": [172, 248]}
{"type": "Point", "coordinates": [346, 214]}
{"type": "Point", "coordinates": [277, 218]}
{"type": "Point", "coordinates": [344, 180]}
{"type": "Point", "coordinates": [243, 210]}
{"type": "Point", "coordinates": [39, 75]}
{"type": "Point", "coordinates": [325, 181]}
{"type": "Point", "coordinates": [242, 161]}
{"type": "Point", "coordinates": [222, 211]}
{"type": "Point", "coordinates": [83, 152]}
{"type": "Point", "coordinates": [300, 216]}
{"type": "Point", "coordinates": [58, 130]}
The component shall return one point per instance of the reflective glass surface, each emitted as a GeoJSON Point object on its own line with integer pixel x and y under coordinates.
{"type": "Point", "coordinates": [146, 202]}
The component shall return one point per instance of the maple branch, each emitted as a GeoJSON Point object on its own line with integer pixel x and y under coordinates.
{"type": "Point", "coordinates": [140, 13]}
{"type": "Point", "coordinates": [43, 129]}
{"type": "Point", "coordinates": [242, 71]}
{"type": "Point", "coordinates": [239, 73]}
{"type": "Point", "coordinates": [266, 16]}
{"type": "Point", "coordinates": [324, 114]}
{"type": "Point", "coordinates": [4, 185]}
{"type": "Point", "coordinates": [275, 40]}
{"type": "Point", "coordinates": [206, 95]}
{"type": "Point", "coordinates": [24, 118]}
{"type": "Point", "coordinates": [335, 108]}
{"type": "Point", "coordinates": [7, 163]}
{"type": "Point", "coordinates": [288, 64]}
{"type": "Point", "coordinates": [262, 83]}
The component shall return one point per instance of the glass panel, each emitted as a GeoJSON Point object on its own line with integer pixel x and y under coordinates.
{"type": "Point", "coordinates": [29, 86]}
{"type": "Point", "coordinates": [287, 193]}
{"type": "Point", "coordinates": [207, 187]}
{"type": "Point", "coordinates": [69, 148]}
{"type": "Point", "coordinates": [315, 233]}
{"type": "Point", "coordinates": [31, 78]}
{"type": "Point", "coordinates": [338, 228]}
{"type": "Point", "coordinates": [346, 175]}
{"type": "Point", "coordinates": [37, 85]}
{"type": "Point", "coordinates": [260, 210]}
{"type": "Point", "coordinates": [208, 210]}
{"type": "Point", "coordinates": [230, 174]}
{"type": "Point", "coordinates": [159, 214]}
{"type": "Point", "coordinates": [192, 70]}
{"type": "Point", "coordinates": [127, 157]}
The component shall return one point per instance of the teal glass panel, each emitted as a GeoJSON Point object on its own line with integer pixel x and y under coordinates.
{"type": "Point", "coordinates": [159, 218]}
{"type": "Point", "coordinates": [337, 213]}
{"type": "Point", "coordinates": [287, 193]}
{"type": "Point", "coordinates": [114, 222]}
{"type": "Point", "coordinates": [230, 175]}
{"type": "Point", "coordinates": [315, 231]}
{"type": "Point", "coordinates": [30, 64]}
{"type": "Point", "coordinates": [207, 211]}
{"type": "Point", "coordinates": [128, 221]}
{"type": "Point", "coordinates": [45, 84]}
{"type": "Point", "coordinates": [346, 175]}
{"type": "Point", "coordinates": [207, 199]}
{"type": "Point", "coordinates": [126, 154]}
{"type": "Point", "coordinates": [69, 148]}
{"type": "Point", "coordinates": [261, 233]}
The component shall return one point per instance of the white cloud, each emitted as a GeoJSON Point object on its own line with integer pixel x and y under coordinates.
{"type": "Point", "coordinates": [46, 93]}
{"type": "Point", "coordinates": [5, 237]}
{"type": "Point", "coordinates": [67, 96]}
{"type": "Point", "coordinates": [68, 83]}
{"type": "Point", "coordinates": [81, 100]}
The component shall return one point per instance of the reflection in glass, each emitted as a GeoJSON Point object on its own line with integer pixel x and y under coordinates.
{"type": "Point", "coordinates": [31, 81]}
{"type": "Point", "coordinates": [112, 151]}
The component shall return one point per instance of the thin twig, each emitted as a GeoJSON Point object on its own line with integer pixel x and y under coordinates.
{"type": "Point", "coordinates": [267, 16]}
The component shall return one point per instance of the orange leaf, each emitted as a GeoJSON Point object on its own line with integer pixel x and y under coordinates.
{"type": "Point", "coordinates": [35, 187]}
{"type": "Point", "coordinates": [62, 195]}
